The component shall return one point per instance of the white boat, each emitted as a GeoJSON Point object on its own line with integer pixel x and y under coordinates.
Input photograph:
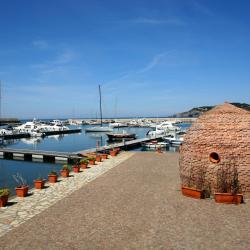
{"type": "Point", "coordinates": [173, 139]}
{"type": "Point", "coordinates": [4, 131]}
{"type": "Point", "coordinates": [37, 128]}
{"type": "Point", "coordinates": [163, 129]}
{"type": "Point", "coordinates": [168, 126]}
{"type": "Point", "coordinates": [57, 122]}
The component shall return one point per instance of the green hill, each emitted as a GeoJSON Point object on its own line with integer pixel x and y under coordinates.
{"type": "Point", "coordinates": [196, 112]}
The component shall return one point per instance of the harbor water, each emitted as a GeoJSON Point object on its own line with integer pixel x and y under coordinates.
{"type": "Point", "coordinates": [62, 143]}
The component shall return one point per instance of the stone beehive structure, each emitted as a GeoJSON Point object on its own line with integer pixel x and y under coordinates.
{"type": "Point", "coordinates": [217, 139]}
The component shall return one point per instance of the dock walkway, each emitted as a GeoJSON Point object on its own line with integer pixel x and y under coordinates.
{"type": "Point", "coordinates": [36, 154]}
{"type": "Point", "coordinates": [41, 155]}
{"type": "Point", "coordinates": [136, 205]}
{"type": "Point", "coordinates": [123, 145]}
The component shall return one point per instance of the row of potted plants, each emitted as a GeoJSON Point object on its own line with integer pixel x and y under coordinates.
{"type": "Point", "coordinates": [22, 187]}
{"type": "Point", "coordinates": [228, 188]}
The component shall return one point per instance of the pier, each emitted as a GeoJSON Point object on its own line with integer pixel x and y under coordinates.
{"type": "Point", "coordinates": [37, 155]}
{"type": "Point", "coordinates": [67, 157]}
{"type": "Point", "coordinates": [46, 133]}
{"type": "Point", "coordinates": [126, 145]}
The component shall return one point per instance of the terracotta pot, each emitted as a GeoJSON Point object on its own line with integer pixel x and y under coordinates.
{"type": "Point", "coordinates": [192, 192]}
{"type": "Point", "coordinates": [159, 150]}
{"type": "Point", "coordinates": [228, 198]}
{"type": "Point", "coordinates": [98, 158]}
{"type": "Point", "coordinates": [39, 184]}
{"type": "Point", "coordinates": [4, 200]}
{"type": "Point", "coordinates": [22, 191]}
{"type": "Point", "coordinates": [91, 162]}
{"type": "Point", "coordinates": [104, 156]}
{"type": "Point", "coordinates": [84, 165]}
{"type": "Point", "coordinates": [112, 153]}
{"type": "Point", "coordinates": [52, 178]}
{"type": "Point", "coordinates": [64, 173]}
{"type": "Point", "coordinates": [76, 169]}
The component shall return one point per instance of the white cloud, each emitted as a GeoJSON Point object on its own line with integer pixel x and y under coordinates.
{"type": "Point", "coordinates": [156, 60]}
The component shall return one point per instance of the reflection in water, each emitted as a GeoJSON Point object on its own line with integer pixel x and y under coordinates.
{"type": "Point", "coordinates": [56, 137]}
{"type": "Point", "coordinates": [31, 141]}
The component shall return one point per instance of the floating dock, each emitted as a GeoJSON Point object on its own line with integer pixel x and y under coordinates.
{"type": "Point", "coordinates": [66, 157]}
{"type": "Point", "coordinates": [38, 155]}
{"type": "Point", "coordinates": [47, 133]}
{"type": "Point", "coordinates": [126, 145]}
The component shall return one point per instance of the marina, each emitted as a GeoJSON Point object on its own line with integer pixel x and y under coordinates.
{"type": "Point", "coordinates": [53, 151]}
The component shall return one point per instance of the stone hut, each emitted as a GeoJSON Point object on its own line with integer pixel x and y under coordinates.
{"type": "Point", "coordinates": [218, 140]}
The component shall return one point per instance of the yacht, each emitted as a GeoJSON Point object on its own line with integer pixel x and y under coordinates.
{"type": "Point", "coordinates": [168, 126]}
{"type": "Point", "coordinates": [173, 139]}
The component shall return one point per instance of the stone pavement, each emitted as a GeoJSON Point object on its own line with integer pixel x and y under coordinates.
{"type": "Point", "coordinates": [22, 209]}
{"type": "Point", "coordinates": [136, 205]}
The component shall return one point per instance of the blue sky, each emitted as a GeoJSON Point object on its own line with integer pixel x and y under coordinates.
{"type": "Point", "coordinates": [152, 58]}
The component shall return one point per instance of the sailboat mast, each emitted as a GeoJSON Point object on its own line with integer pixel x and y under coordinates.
{"type": "Point", "coordinates": [100, 95]}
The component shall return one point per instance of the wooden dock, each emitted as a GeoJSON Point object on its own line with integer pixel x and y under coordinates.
{"type": "Point", "coordinates": [46, 133]}
{"type": "Point", "coordinates": [66, 157]}
{"type": "Point", "coordinates": [126, 145]}
{"type": "Point", "coordinates": [37, 155]}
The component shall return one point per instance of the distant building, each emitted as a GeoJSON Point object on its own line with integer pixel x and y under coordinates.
{"type": "Point", "coordinates": [219, 139]}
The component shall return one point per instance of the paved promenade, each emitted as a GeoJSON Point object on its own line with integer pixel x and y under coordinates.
{"type": "Point", "coordinates": [22, 209]}
{"type": "Point", "coordinates": [136, 205]}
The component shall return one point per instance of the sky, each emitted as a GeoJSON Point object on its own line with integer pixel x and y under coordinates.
{"type": "Point", "coordinates": [151, 58]}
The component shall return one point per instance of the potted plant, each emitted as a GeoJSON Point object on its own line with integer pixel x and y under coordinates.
{"type": "Point", "coordinates": [4, 195]}
{"type": "Point", "coordinates": [39, 183]}
{"type": "Point", "coordinates": [104, 156]}
{"type": "Point", "coordinates": [98, 158]}
{"type": "Point", "coordinates": [112, 152]}
{"type": "Point", "coordinates": [91, 160]}
{"type": "Point", "coordinates": [84, 163]}
{"type": "Point", "coordinates": [22, 187]}
{"type": "Point", "coordinates": [117, 150]}
{"type": "Point", "coordinates": [65, 171]}
{"type": "Point", "coordinates": [194, 186]}
{"type": "Point", "coordinates": [52, 177]}
{"type": "Point", "coordinates": [76, 168]}
{"type": "Point", "coordinates": [228, 185]}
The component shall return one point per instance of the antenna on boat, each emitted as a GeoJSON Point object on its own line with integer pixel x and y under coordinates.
{"type": "Point", "coordinates": [100, 95]}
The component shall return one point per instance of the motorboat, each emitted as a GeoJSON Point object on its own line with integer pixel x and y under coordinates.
{"type": "Point", "coordinates": [121, 136]}
{"type": "Point", "coordinates": [36, 128]}
{"type": "Point", "coordinates": [173, 139]}
{"type": "Point", "coordinates": [4, 131]}
{"type": "Point", "coordinates": [168, 126]}
{"type": "Point", "coordinates": [163, 129]}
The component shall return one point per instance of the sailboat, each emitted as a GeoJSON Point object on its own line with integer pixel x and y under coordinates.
{"type": "Point", "coordinates": [99, 128]}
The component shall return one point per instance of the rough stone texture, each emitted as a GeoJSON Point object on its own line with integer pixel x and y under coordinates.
{"type": "Point", "coordinates": [225, 130]}
{"type": "Point", "coordinates": [136, 205]}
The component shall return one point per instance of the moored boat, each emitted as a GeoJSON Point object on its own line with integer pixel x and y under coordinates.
{"type": "Point", "coordinates": [121, 136]}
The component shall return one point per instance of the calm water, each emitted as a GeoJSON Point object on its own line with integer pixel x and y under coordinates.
{"type": "Point", "coordinates": [64, 143]}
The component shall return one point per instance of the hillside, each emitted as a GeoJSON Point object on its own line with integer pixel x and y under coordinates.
{"type": "Point", "coordinates": [196, 112]}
